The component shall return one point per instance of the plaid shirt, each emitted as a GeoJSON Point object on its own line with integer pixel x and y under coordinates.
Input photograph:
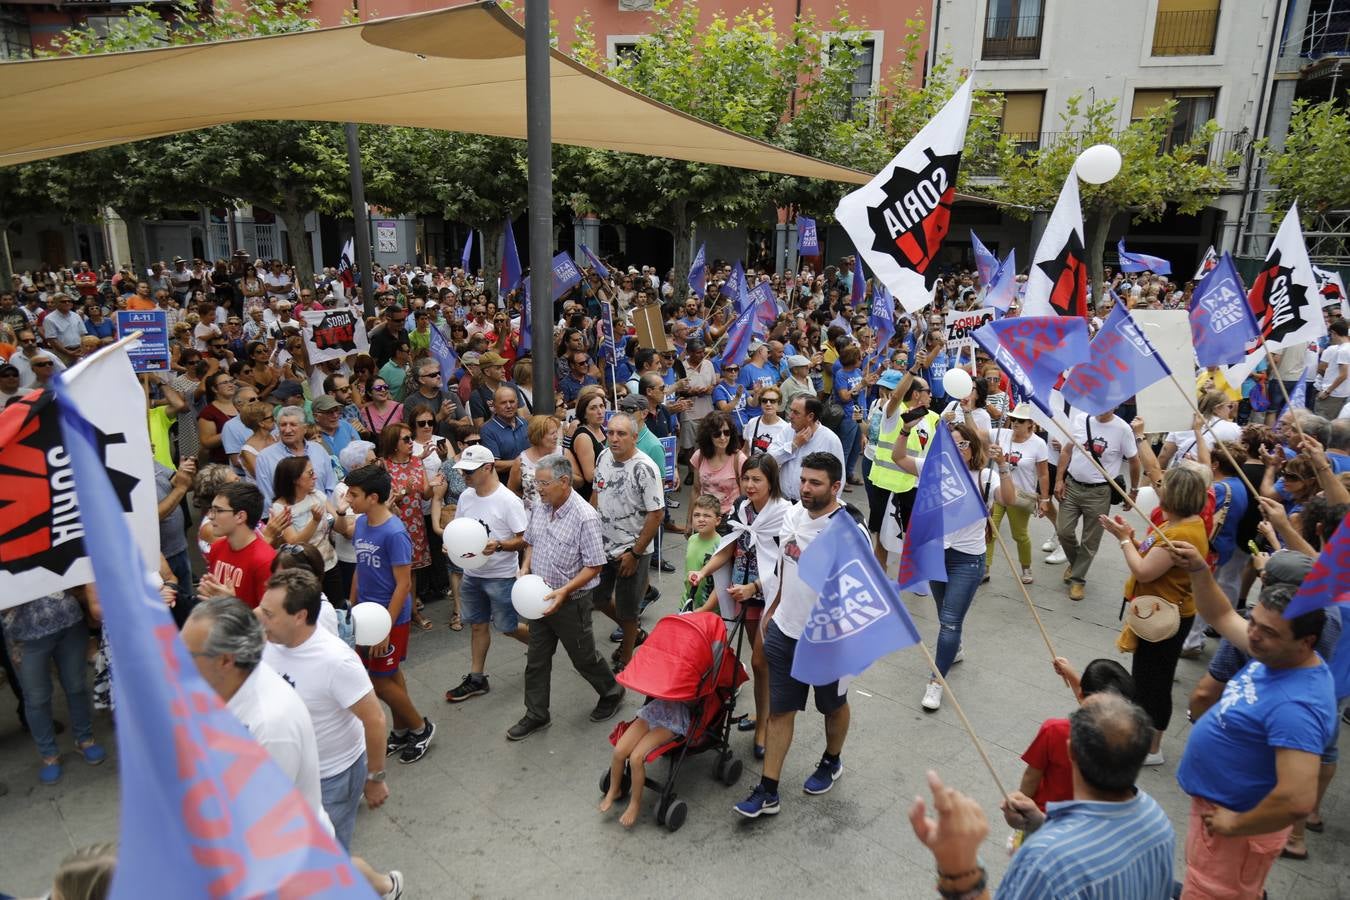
{"type": "Point", "coordinates": [565, 541]}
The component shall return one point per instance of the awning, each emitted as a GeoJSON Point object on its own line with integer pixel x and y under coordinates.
{"type": "Point", "coordinates": [460, 69]}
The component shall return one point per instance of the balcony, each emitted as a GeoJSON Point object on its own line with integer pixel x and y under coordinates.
{"type": "Point", "coordinates": [1009, 37]}
{"type": "Point", "coordinates": [1185, 32]}
{"type": "Point", "coordinates": [1223, 143]}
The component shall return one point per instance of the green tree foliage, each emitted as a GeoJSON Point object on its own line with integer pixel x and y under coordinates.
{"type": "Point", "coordinates": [1152, 176]}
{"type": "Point", "coordinates": [1311, 166]}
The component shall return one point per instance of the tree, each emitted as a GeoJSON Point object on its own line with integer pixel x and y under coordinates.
{"type": "Point", "coordinates": [1311, 166]}
{"type": "Point", "coordinates": [1152, 176]}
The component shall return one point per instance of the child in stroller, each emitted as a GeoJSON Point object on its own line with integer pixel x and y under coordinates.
{"type": "Point", "coordinates": [658, 722]}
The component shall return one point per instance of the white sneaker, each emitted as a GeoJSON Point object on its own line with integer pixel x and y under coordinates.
{"type": "Point", "coordinates": [1154, 759]}
{"type": "Point", "coordinates": [1050, 545]}
{"type": "Point", "coordinates": [932, 696]}
{"type": "Point", "coordinates": [1057, 558]}
{"type": "Point", "coordinates": [960, 655]}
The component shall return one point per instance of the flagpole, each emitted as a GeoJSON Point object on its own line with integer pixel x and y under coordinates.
{"type": "Point", "coordinates": [1220, 444]}
{"type": "Point", "coordinates": [1288, 403]}
{"type": "Point", "coordinates": [1017, 576]}
{"type": "Point", "coordinates": [961, 714]}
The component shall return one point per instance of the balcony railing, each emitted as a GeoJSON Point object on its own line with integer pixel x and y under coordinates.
{"type": "Point", "coordinates": [1185, 32]}
{"type": "Point", "coordinates": [1012, 37]}
{"type": "Point", "coordinates": [1325, 34]}
{"type": "Point", "coordinates": [1222, 144]}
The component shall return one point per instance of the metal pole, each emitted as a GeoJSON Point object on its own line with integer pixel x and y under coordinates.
{"type": "Point", "coordinates": [538, 115]}
{"type": "Point", "coordinates": [362, 222]}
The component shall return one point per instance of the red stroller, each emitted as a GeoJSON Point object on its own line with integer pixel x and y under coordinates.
{"type": "Point", "coordinates": [687, 658]}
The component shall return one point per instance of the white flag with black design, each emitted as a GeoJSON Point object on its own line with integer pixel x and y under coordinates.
{"type": "Point", "coordinates": [1284, 296]}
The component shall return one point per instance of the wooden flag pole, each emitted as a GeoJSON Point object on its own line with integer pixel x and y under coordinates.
{"type": "Point", "coordinates": [961, 714]}
{"type": "Point", "coordinates": [1002, 545]}
{"type": "Point", "coordinates": [1220, 444]}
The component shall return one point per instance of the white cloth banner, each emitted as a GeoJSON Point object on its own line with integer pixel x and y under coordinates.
{"type": "Point", "coordinates": [334, 334]}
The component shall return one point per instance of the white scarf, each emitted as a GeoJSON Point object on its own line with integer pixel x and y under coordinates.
{"type": "Point", "coordinates": [763, 531]}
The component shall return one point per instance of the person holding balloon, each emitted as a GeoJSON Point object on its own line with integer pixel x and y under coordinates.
{"type": "Point", "coordinates": [484, 539]}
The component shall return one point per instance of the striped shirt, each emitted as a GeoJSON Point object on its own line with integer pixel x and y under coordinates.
{"type": "Point", "coordinates": [1091, 850]}
{"type": "Point", "coordinates": [565, 541]}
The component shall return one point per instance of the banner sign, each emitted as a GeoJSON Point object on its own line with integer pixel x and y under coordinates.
{"type": "Point", "coordinates": [668, 445]}
{"type": "Point", "coordinates": [962, 324]}
{"type": "Point", "coordinates": [152, 354]}
{"type": "Point", "coordinates": [334, 334]}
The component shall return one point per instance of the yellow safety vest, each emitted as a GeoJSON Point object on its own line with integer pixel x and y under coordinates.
{"type": "Point", "coordinates": [885, 473]}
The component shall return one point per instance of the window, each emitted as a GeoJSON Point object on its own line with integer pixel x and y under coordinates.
{"type": "Point", "coordinates": [861, 89]}
{"type": "Point", "coordinates": [1185, 27]}
{"type": "Point", "coordinates": [622, 48]}
{"type": "Point", "coordinates": [1021, 118]}
{"type": "Point", "coordinates": [1012, 29]}
{"type": "Point", "coordinates": [1195, 107]}
{"type": "Point", "coordinates": [16, 42]}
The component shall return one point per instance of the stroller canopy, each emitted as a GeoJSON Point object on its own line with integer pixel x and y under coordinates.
{"type": "Point", "coordinates": [685, 658]}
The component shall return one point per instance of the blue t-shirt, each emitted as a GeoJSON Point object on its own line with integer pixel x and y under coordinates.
{"type": "Point", "coordinates": [379, 548]}
{"type": "Point", "coordinates": [1230, 756]}
{"type": "Point", "coordinates": [936, 369]}
{"type": "Point", "coordinates": [848, 380]}
{"type": "Point", "coordinates": [725, 393]}
{"type": "Point", "coordinates": [1225, 539]}
{"type": "Point", "coordinates": [100, 330]}
{"type": "Point", "coordinates": [753, 376]}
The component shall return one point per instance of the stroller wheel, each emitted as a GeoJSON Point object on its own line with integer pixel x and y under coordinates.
{"type": "Point", "coordinates": [676, 814]}
{"type": "Point", "coordinates": [732, 773]}
{"type": "Point", "coordinates": [625, 786]}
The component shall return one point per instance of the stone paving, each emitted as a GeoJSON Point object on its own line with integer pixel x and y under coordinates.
{"type": "Point", "coordinates": [482, 817]}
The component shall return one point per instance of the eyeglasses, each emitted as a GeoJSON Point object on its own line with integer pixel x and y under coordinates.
{"type": "Point", "coordinates": [405, 439]}
{"type": "Point", "coordinates": [42, 364]}
{"type": "Point", "coordinates": [220, 511]}
{"type": "Point", "coordinates": [962, 445]}
{"type": "Point", "coordinates": [923, 390]}
{"type": "Point", "coordinates": [431, 374]}
{"type": "Point", "coordinates": [474, 442]}
{"type": "Point", "coordinates": [425, 423]}
{"type": "Point", "coordinates": [1289, 476]}
{"type": "Point", "coordinates": [380, 389]}
{"type": "Point", "coordinates": [723, 433]}
{"type": "Point", "coordinates": [775, 400]}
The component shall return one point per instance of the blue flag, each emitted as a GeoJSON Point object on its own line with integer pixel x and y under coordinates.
{"type": "Point", "coordinates": [1003, 288]}
{"type": "Point", "coordinates": [738, 335]}
{"type": "Point", "coordinates": [1034, 351]}
{"type": "Point", "coordinates": [468, 248]}
{"type": "Point", "coordinates": [808, 244]}
{"type": "Point", "coordinates": [1121, 363]}
{"type": "Point", "coordinates": [205, 810]}
{"type": "Point", "coordinates": [1141, 262]}
{"type": "Point", "coordinates": [859, 285]}
{"type": "Point", "coordinates": [442, 351]}
{"type": "Point", "coordinates": [594, 261]}
{"type": "Point", "coordinates": [882, 316]}
{"type": "Point", "coordinates": [737, 288]}
{"type": "Point", "coordinates": [566, 275]}
{"type": "Point", "coordinates": [1298, 397]}
{"type": "Point", "coordinates": [1326, 585]}
{"type": "Point", "coordinates": [766, 308]}
{"type": "Point", "coordinates": [945, 500]}
{"type": "Point", "coordinates": [986, 263]}
{"type": "Point", "coordinates": [858, 617]}
{"type": "Point", "coordinates": [526, 340]}
{"type": "Point", "coordinates": [511, 271]}
{"type": "Point", "coordinates": [1222, 323]}
{"type": "Point", "coordinates": [607, 332]}
{"type": "Point", "coordinates": [698, 270]}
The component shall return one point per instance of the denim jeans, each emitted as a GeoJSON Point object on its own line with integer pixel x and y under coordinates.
{"type": "Point", "coordinates": [342, 793]}
{"type": "Point", "coordinates": [850, 435]}
{"type": "Point", "coordinates": [33, 659]}
{"type": "Point", "coordinates": [953, 598]}
{"type": "Point", "coordinates": [181, 567]}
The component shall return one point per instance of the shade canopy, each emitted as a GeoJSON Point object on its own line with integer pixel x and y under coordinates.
{"type": "Point", "coordinates": [460, 69]}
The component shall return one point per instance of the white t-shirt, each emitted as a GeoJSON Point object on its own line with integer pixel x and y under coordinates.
{"type": "Point", "coordinates": [970, 539]}
{"type": "Point", "coordinates": [796, 597]}
{"type": "Point", "coordinates": [760, 435]}
{"type": "Point", "coordinates": [1114, 442]}
{"type": "Point", "coordinates": [1024, 457]}
{"type": "Point", "coordinates": [1216, 430]}
{"type": "Point", "coordinates": [276, 281]}
{"type": "Point", "coordinates": [503, 514]}
{"type": "Point", "coordinates": [1336, 356]}
{"type": "Point", "coordinates": [313, 505]}
{"type": "Point", "coordinates": [277, 719]}
{"type": "Point", "coordinates": [328, 678]}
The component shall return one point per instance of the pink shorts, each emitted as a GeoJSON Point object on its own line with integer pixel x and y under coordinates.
{"type": "Point", "coordinates": [1227, 868]}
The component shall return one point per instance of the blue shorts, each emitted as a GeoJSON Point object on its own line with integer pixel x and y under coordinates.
{"type": "Point", "coordinates": [787, 694]}
{"type": "Point", "coordinates": [481, 599]}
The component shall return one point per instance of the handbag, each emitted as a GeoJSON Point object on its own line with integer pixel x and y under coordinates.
{"type": "Point", "coordinates": [1152, 618]}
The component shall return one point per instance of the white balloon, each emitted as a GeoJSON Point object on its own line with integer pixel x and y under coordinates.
{"type": "Point", "coordinates": [1146, 499]}
{"type": "Point", "coordinates": [958, 384]}
{"type": "Point", "coordinates": [527, 596]}
{"type": "Point", "coordinates": [464, 542]}
{"type": "Point", "coordinates": [371, 623]}
{"type": "Point", "coordinates": [1098, 164]}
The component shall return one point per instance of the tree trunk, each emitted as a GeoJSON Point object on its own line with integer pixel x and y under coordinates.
{"type": "Point", "coordinates": [1095, 227]}
{"type": "Point", "coordinates": [680, 223]}
{"type": "Point", "coordinates": [6, 261]}
{"type": "Point", "coordinates": [302, 258]}
{"type": "Point", "coordinates": [491, 254]}
{"type": "Point", "coordinates": [136, 245]}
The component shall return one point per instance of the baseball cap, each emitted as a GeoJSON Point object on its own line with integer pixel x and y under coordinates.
{"type": "Point", "coordinates": [474, 457]}
{"type": "Point", "coordinates": [633, 403]}
{"type": "Point", "coordinates": [796, 360]}
{"type": "Point", "coordinates": [491, 359]}
{"type": "Point", "coordinates": [8, 370]}
{"type": "Point", "coordinates": [472, 358]}
{"type": "Point", "coordinates": [1287, 567]}
{"type": "Point", "coordinates": [756, 346]}
{"type": "Point", "coordinates": [889, 379]}
{"type": "Point", "coordinates": [287, 389]}
{"type": "Point", "coordinates": [325, 404]}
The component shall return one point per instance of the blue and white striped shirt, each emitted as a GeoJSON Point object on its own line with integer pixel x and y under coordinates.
{"type": "Point", "coordinates": [1091, 850]}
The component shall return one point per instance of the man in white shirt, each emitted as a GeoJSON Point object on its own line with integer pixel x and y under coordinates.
{"type": "Point", "coordinates": [277, 282]}
{"type": "Point", "coordinates": [808, 436]}
{"type": "Point", "coordinates": [1083, 492]}
{"type": "Point", "coordinates": [181, 279]}
{"type": "Point", "coordinates": [485, 591]}
{"type": "Point", "coordinates": [30, 356]}
{"type": "Point", "coordinates": [1334, 383]}
{"type": "Point", "coordinates": [821, 477]}
{"type": "Point", "coordinates": [63, 328]}
{"type": "Point", "coordinates": [331, 682]}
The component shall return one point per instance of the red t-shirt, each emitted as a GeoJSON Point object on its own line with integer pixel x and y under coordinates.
{"type": "Point", "coordinates": [244, 572]}
{"type": "Point", "coordinates": [1049, 752]}
{"type": "Point", "coordinates": [87, 284]}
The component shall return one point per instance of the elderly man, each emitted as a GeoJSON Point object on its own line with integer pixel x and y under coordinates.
{"type": "Point", "coordinates": [1110, 840]}
{"type": "Point", "coordinates": [63, 328]}
{"type": "Point", "coordinates": [1251, 761]}
{"type": "Point", "coordinates": [428, 395]}
{"type": "Point", "coordinates": [32, 361]}
{"type": "Point", "coordinates": [808, 437]}
{"type": "Point", "coordinates": [505, 434]}
{"type": "Point", "coordinates": [291, 431]}
{"type": "Point", "coordinates": [332, 431]}
{"type": "Point", "coordinates": [631, 502]}
{"type": "Point", "coordinates": [563, 546]}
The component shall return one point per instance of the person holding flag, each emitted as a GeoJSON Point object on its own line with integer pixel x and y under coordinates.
{"type": "Point", "coordinates": [964, 475]}
{"type": "Point", "coordinates": [782, 626]}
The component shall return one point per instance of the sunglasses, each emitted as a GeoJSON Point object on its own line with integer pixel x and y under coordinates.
{"type": "Point", "coordinates": [722, 433]}
{"type": "Point", "coordinates": [764, 400]}
{"type": "Point", "coordinates": [425, 423]}
{"type": "Point", "coordinates": [962, 445]}
{"type": "Point", "coordinates": [380, 389]}
{"type": "Point", "coordinates": [42, 364]}
{"type": "Point", "coordinates": [405, 439]}
{"type": "Point", "coordinates": [473, 442]}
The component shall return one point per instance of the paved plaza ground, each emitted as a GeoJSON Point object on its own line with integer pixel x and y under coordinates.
{"type": "Point", "coordinates": [483, 817]}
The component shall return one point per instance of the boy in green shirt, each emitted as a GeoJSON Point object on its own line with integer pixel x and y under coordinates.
{"type": "Point", "coordinates": [707, 513]}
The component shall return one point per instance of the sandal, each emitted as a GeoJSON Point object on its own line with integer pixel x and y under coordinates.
{"type": "Point", "coordinates": [1316, 827]}
{"type": "Point", "coordinates": [455, 623]}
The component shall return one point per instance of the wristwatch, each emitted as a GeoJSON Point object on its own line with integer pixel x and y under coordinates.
{"type": "Point", "coordinates": [377, 777]}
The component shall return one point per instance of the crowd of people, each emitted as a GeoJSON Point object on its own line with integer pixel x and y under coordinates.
{"type": "Point", "coordinates": [290, 490]}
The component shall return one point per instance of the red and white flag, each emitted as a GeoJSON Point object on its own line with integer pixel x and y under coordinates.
{"type": "Point", "coordinates": [1332, 288]}
{"type": "Point", "coordinates": [1284, 296]}
{"type": "Point", "coordinates": [899, 219]}
{"type": "Point", "coordinates": [346, 269]}
{"type": "Point", "coordinates": [1209, 262]}
{"type": "Point", "coordinates": [1057, 281]}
